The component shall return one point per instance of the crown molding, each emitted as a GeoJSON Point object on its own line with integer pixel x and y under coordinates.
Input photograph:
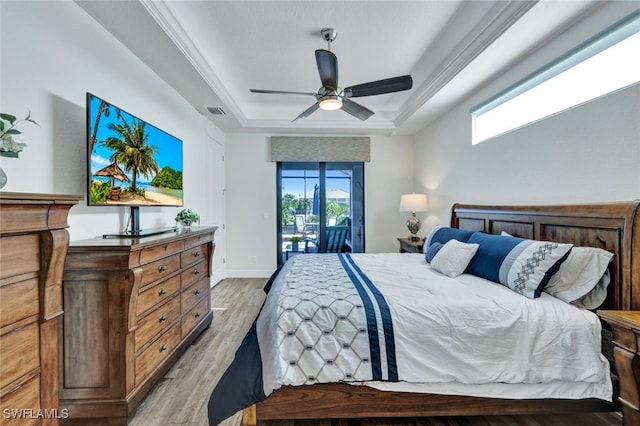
{"type": "Point", "coordinates": [335, 127]}
{"type": "Point", "coordinates": [501, 17]}
{"type": "Point", "coordinates": [161, 13]}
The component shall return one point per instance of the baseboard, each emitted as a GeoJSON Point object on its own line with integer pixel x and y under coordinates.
{"type": "Point", "coordinates": [249, 273]}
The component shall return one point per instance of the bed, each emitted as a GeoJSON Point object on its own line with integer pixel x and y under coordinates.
{"type": "Point", "coordinates": [614, 227]}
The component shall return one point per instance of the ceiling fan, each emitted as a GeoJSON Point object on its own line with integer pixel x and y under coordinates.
{"type": "Point", "coordinates": [331, 97]}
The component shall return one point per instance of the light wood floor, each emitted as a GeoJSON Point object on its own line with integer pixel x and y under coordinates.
{"type": "Point", "coordinates": [181, 397]}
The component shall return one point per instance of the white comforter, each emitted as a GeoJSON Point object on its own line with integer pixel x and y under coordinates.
{"type": "Point", "coordinates": [464, 335]}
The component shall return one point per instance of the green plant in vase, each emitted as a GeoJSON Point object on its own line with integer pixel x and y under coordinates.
{"type": "Point", "coordinates": [186, 217]}
{"type": "Point", "coordinates": [11, 139]}
{"type": "Point", "coordinates": [295, 240]}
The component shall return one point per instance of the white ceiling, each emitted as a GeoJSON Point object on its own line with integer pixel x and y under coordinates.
{"type": "Point", "coordinates": [213, 52]}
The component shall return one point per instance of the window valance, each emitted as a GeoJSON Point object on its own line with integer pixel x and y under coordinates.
{"type": "Point", "coordinates": [298, 148]}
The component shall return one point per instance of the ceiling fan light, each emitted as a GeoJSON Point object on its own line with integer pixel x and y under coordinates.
{"type": "Point", "coordinates": [330, 103]}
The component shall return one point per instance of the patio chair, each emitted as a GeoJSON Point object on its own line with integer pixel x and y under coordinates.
{"type": "Point", "coordinates": [336, 239]}
{"type": "Point", "coordinates": [300, 226]}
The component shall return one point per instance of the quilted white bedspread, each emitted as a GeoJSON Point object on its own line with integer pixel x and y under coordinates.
{"type": "Point", "coordinates": [463, 335]}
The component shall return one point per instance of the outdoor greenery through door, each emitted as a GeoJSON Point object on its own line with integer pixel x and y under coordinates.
{"type": "Point", "coordinates": [320, 208]}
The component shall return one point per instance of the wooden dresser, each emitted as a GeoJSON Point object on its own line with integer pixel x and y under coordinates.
{"type": "Point", "coordinates": [33, 246]}
{"type": "Point", "coordinates": [132, 307]}
{"type": "Point", "coordinates": [626, 353]}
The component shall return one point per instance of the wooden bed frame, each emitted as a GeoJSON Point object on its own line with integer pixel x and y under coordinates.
{"type": "Point", "coordinates": [611, 226]}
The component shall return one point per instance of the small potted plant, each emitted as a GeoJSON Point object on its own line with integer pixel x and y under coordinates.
{"type": "Point", "coordinates": [295, 240]}
{"type": "Point", "coordinates": [186, 217]}
{"type": "Point", "coordinates": [11, 139]}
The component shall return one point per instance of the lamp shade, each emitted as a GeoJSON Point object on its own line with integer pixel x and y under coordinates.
{"type": "Point", "coordinates": [413, 203]}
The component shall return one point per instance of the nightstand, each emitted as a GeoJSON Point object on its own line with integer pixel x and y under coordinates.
{"type": "Point", "coordinates": [407, 245]}
{"type": "Point", "coordinates": [626, 353]}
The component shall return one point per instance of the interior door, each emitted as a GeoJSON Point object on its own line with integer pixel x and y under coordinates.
{"type": "Point", "coordinates": [217, 208]}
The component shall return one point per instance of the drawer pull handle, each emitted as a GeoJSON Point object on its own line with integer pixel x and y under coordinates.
{"type": "Point", "coordinates": [162, 318]}
{"type": "Point", "coordinates": [166, 246]}
{"type": "Point", "coordinates": [196, 254]}
{"type": "Point", "coordinates": [162, 268]}
{"type": "Point", "coordinates": [196, 272]}
{"type": "Point", "coordinates": [197, 292]}
{"type": "Point", "coordinates": [197, 315]}
{"type": "Point", "coordinates": [163, 347]}
{"type": "Point", "coordinates": [162, 292]}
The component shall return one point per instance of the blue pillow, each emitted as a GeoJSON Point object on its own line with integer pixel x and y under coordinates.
{"type": "Point", "coordinates": [495, 249]}
{"type": "Point", "coordinates": [432, 251]}
{"type": "Point", "coordinates": [525, 266]}
{"type": "Point", "coordinates": [442, 234]}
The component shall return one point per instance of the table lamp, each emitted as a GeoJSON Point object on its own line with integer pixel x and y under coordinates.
{"type": "Point", "coordinates": [413, 203]}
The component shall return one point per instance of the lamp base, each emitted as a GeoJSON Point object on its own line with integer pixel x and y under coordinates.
{"type": "Point", "coordinates": [414, 224]}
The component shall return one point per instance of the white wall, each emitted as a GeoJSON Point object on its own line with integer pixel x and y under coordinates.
{"type": "Point", "coordinates": [52, 54]}
{"type": "Point", "coordinates": [587, 154]}
{"type": "Point", "coordinates": [251, 200]}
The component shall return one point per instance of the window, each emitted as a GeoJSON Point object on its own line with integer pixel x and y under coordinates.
{"type": "Point", "coordinates": [603, 64]}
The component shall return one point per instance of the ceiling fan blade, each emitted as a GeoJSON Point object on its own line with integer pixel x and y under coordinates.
{"type": "Point", "coordinates": [356, 109]}
{"type": "Point", "coordinates": [380, 87]}
{"type": "Point", "coordinates": [327, 68]}
{"type": "Point", "coordinates": [307, 112]}
{"type": "Point", "coordinates": [281, 92]}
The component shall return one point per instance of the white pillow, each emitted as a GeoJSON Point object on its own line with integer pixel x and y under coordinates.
{"type": "Point", "coordinates": [583, 278]}
{"type": "Point", "coordinates": [452, 259]}
{"type": "Point", "coordinates": [597, 296]}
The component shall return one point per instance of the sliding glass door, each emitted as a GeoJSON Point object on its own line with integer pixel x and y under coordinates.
{"type": "Point", "coordinates": [320, 208]}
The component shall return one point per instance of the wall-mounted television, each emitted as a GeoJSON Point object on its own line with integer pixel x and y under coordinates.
{"type": "Point", "coordinates": [130, 162]}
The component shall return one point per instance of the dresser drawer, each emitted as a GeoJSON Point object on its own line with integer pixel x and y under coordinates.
{"type": "Point", "coordinates": [18, 401]}
{"type": "Point", "coordinates": [193, 255]}
{"type": "Point", "coordinates": [624, 337]}
{"type": "Point", "coordinates": [20, 353]}
{"type": "Point", "coordinates": [157, 294]}
{"type": "Point", "coordinates": [154, 253]}
{"type": "Point", "coordinates": [160, 269]}
{"type": "Point", "coordinates": [625, 365]}
{"type": "Point", "coordinates": [194, 316]}
{"type": "Point", "coordinates": [19, 255]}
{"type": "Point", "coordinates": [193, 294]}
{"type": "Point", "coordinates": [156, 321]}
{"type": "Point", "coordinates": [197, 240]}
{"type": "Point", "coordinates": [18, 301]}
{"type": "Point", "coordinates": [156, 353]}
{"type": "Point", "coordinates": [194, 273]}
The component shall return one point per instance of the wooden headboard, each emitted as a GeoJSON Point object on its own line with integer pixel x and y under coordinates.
{"type": "Point", "coordinates": [614, 227]}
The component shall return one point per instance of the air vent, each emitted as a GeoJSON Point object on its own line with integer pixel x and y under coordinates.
{"type": "Point", "coordinates": [216, 110]}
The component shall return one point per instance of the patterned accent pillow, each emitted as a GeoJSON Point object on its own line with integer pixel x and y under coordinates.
{"type": "Point", "coordinates": [525, 266]}
{"type": "Point", "coordinates": [452, 259]}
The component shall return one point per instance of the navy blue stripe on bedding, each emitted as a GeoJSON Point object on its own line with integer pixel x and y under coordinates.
{"type": "Point", "coordinates": [372, 323]}
{"type": "Point", "coordinates": [392, 367]}
{"type": "Point", "coordinates": [241, 385]}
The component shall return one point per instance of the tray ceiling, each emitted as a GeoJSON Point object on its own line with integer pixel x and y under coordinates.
{"type": "Point", "coordinates": [213, 52]}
